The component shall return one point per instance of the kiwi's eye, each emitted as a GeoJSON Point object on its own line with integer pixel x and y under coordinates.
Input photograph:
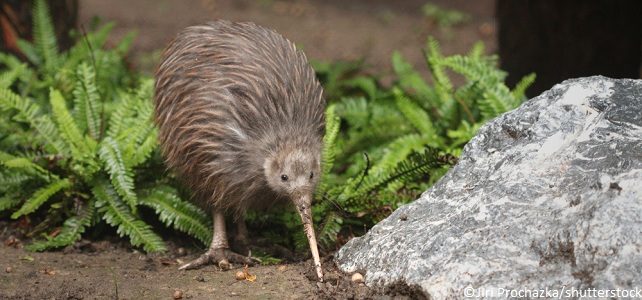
{"type": "Point", "coordinates": [284, 177]}
{"type": "Point", "coordinates": [311, 175]}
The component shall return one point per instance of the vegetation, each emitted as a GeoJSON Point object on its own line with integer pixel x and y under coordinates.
{"type": "Point", "coordinates": [78, 149]}
{"type": "Point", "coordinates": [82, 141]}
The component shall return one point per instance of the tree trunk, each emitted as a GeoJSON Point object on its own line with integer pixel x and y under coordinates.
{"type": "Point", "coordinates": [16, 22]}
{"type": "Point", "coordinates": [562, 39]}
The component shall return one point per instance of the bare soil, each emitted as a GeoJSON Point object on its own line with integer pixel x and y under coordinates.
{"type": "Point", "coordinates": [326, 30]}
{"type": "Point", "coordinates": [110, 269]}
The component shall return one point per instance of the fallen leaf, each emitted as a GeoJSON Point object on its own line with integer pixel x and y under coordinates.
{"type": "Point", "coordinates": [167, 261]}
{"type": "Point", "coordinates": [48, 271]}
{"type": "Point", "coordinates": [27, 258]}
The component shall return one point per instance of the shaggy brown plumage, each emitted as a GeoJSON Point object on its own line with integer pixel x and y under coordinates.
{"type": "Point", "coordinates": [241, 120]}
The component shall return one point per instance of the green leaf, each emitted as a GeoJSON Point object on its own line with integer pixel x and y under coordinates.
{"type": "Point", "coordinates": [44, 36]}
{"type": "Point", "coordinates": [31, 113]}
{"type": "Point", "coordinates": [87, 106]}
{"type": "Point", "coordinates": [8, 202]}
{"type": "Point", "coordinates": [9, 180]}
{"type": "Point", "coordinates": [443, 85]}
{"type": "Point", "coordinates": [332, 123]}
{"type": "Point", "coordinates": [519, 92]}
{"type": "Point", "coordinates": [68, 129]}
{"type": "Point", "coordinates": [124, 109]}
{"type": "Point", "coordinates": [116, 214]}
{"type": "Point", "coordinates": [418, 118]}
{"type": "Point", "coordinates": [179, 214]}
{"type": "Point", "coordinates": [121, 176]}
{"type": "Point", "coordinates": [412, 82]}
{"type": "Point", "coordinates": [25, 165]}
{"type": "Point", "coordinates": [329, 229]}
{"type": "Point", "coordinates": [29, 50]}
{"type": "Point", "coordinates": [40, 197]}
{"type": "Point", "coordinates": [71, 230]}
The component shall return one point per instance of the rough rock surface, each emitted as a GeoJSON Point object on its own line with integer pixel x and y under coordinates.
{"type": "Point", "coordinates": [548, 196]}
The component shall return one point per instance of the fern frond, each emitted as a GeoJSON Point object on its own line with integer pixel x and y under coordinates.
{"type": "Point", "coordinates": [140, 130]}
{"type": "Point", "coordinates": [329, 229]}
{"type": "Point", "coordinates": [24, 164]}
{"type": "Point", "coordinates": [179, 214]}
{"type": "Point", "coordinates": [12, 179]}
{"type": "Point", "coordinates": [87, 105]}
{"type": "Point", "coordinates": [417, 164]}
{"type": "Point", "coordinates": [332, 123]}
{"type": "Point", "coordinates": [95, 40]}
{"type": "Point", "coordinates": [68, 129]}
{"type": "Point", "coordinates": [7, 78]}
{"type": "Point", "coordinates": [443, 85]}
{"type": "Point", "coordinates": [121, 176]}
{"type": "Point", "coordinates": [477, 51]}
{"type": "Point", "coordinates": [8, 202]}
{"type": "Point", "coordinates": [30, 112]}
{"type": "Point", "coordinates": [412, 82]}
{"type": "Point", "coordinates": [44, 36]}
{"type": "Point", "coordinates": [40, 197]}
{"type": "Point", "coordinates": [123, 110]}
{"type": "Point", "coordinates": [418, 118]}
{"type": "Point", "coordinates": [398, 150]}
{"type": "Point", "coordinates": [116, 214]}
{"type": "Point", "coordinates": [519, 92]}
{"type": "Point", "coordinates": [71, 230]}
{"type": "Point", "coordinates": [145, 148]}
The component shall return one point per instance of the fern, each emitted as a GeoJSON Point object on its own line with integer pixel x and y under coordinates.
{"type": "Point", "coordinates": [519, 92]}
{"type": "Point", "coordinates": [178, 214]}
{"type": "Point", "coordinates": [70, 232]}
{"type": "Point", "coordinates": [116, 214]}
{"type": "Point", "coordinates": [44, 36]}
{"type": "Point", "coordinates": [93, 147]}
{"type": "Point", "coordinates": [329, 149]}
{"type": "Point", "coordinates": [30, 112]}
{"type": "Point", "coordinates": [329, 229]}
{"type": "Point", "coordinates": [411, 81]}
{"type": "Point", "coordinates": [86, 101]}
{"type": "Point", "coordinates": [121, 176]}
{"type": "Point", "coordinates": [25, 165]}
{"type": "Point", "coordinates": [416, 164]}
{"type": "Point", "coordinates": [8, 202]}
{"type": "Point", "coordinates": [418, 118]}
{"type": "Point", "coordinates": [11, 180]}
{"type": "Point", "coordinates": [40, 197]}
{"type": "Point", "coordinates": [68, 129]}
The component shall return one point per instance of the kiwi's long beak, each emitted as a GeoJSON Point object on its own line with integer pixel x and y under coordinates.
{"type": "Point", "coordinates": [303, 207]}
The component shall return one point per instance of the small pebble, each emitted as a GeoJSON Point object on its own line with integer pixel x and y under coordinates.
{"type": "Point", "coordinates": [199, 278]}
{"type": "Point", "coordinates": [181, 251]}
{"type": "Point", "coordinates": [8, 269]}
{"type": "Point", "coordinates": [357, 278]}
{"type": "Point", "coordinates": [178, 294]}
{"type": "Point", "coordinates": [281, 268]}
{"type": "Point", "coordinates": [240, 275]}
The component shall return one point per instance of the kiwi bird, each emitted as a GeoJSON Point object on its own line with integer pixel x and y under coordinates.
{"type": "Point", "coordinates": [241, 118]}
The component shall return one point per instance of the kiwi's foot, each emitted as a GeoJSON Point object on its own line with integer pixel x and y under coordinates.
{"type": "Point", "coordinates": [222, 257]}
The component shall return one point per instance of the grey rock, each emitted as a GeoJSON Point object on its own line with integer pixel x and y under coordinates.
{"type": "Point", "coordinates": [548, 196]}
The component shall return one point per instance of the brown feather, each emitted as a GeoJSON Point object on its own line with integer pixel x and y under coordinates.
{"type": "Point", "coordinates": [228, 97]}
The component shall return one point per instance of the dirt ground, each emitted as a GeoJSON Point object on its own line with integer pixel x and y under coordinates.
{"type": "Point", "coordinates": [326, 30]}
{"type": "Point", "coordinates": [110, 269]}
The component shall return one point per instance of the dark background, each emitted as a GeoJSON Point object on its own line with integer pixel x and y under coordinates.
{"type": "Point", "coordinates": [555, 39]}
